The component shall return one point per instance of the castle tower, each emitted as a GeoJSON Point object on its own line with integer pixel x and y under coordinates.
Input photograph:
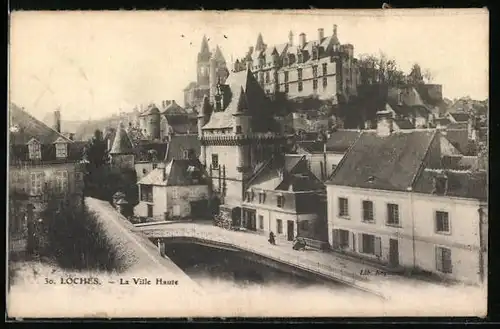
{"type": "Point", "coordinates": [260, 46]}
{"type": "Point", "coordinates": [203, 64]}
{"type": "Point", "coordinates": [241, 128]}
{"type": "Point", "coordinates": [122, 150]}
{"type": "Point", "coordinates": [152, 119]}
{"type": "Point", "coordinates": [203, 118]}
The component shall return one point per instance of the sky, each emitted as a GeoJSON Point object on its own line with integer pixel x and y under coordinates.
{"type": "Point", "coordinates": [92, 64]}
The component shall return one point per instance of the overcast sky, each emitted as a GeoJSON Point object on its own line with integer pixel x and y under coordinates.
{"type": "Point", "coordinates": [92, 64]}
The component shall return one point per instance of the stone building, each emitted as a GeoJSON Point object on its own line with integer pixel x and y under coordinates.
{"type": "Point", "coordinates": [322, 66]}
{"type": "Point", "coordinates": [405, 208]}
{"type": "Point", "coordinates": [211, 68]}
{"type": "Point", "coordinates": [41, 160]}
{"type": "Point", "coordinates": [238, 136]}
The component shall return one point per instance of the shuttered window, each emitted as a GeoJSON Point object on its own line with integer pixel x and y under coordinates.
{"type": "Point", "coordinates": [442, 222]}
{"type": "Point", "coordinates": [36, 183]}
{"type": "Point", "coordinates": [343, 207]}
{"type": "Point", "coordinates": [371, 245]}
{"type": "Point", "coordinates": [443, 260]}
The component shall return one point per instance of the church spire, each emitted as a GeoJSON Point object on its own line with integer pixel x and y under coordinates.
{"type": "Point", "coordinates": [259, 46]}
{"type": "Point", "coordinates": [204, 46]}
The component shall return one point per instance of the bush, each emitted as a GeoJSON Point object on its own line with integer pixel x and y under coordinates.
{"type": "Point", "coordinates": [74, 238]}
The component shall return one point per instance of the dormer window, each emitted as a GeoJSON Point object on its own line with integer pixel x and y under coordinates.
{"type": "Point", "coordinates": [61, 150]}
{"type": "Point", "coordinates": [34, 149]}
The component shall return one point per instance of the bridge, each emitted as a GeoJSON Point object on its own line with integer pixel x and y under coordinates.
{"type": "Point", "coordinates": [327, 265]}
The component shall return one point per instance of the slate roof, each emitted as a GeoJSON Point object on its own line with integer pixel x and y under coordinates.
{"type": "Point", "coordinates": [28, 127]}
{"type": "Point", "coordinates": [386, 163]}
{"type": "Point", "coordinates": [180, 143]}
{"type": "Point", "coordinates": [458, 138]}
{"type": "Point", "coordinates": [25, 127]}
{"type": "Point", "coordinates": [243, 85]}
{"type": "Point", "coordinates": [190, 86]}
{"type": "Point", "coordinates": [296, 176]}
{"type": "Point", "coordinates": [458, 125]}
{"type": "Point", "coordinates": [404, 124]}
{"type": "Point", "coordinates": [442, 121]}
{"type": "Point", "coordinates": [143, 148]}
{"type": "Point", "coordinates": [464, 184]}
{"type": "Point", "coordinates": [173, 108]}
{"type": "Point", "coordinates": [339, 141]}
{"type": "Point", "coordinates": [182, 172]}
{"type": "Point", "coordinates": [122, 143]}
{"type": "Point", "coordinates": [460, 117]}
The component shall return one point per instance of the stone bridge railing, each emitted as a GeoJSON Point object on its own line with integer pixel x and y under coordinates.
{"type": "Point", "coordinates": [258, 245]}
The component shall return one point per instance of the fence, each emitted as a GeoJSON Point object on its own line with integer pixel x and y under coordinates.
{"type": "Point", "coordinates": [241, 241]}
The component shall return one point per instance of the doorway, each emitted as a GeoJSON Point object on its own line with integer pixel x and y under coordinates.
{"type": "Point", "coordinates": [393, 253]}
{"type": "Point", "coordinates": [290, 229]}
{"type": "Point", "coordinates": [150, 210]}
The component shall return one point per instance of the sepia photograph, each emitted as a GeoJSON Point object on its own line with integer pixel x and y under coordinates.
{"type": "Point", "coordinates": [247, 163]}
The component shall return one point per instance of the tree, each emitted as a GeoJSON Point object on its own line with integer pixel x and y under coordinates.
{"type": "Point", "coordinates": [96, 151]}
{"type": "Point", "coordinates": [415, 77]}
{"type": "Point", "coordinates": [380, 69]}
{"type": "Point", "coordinates": [428, 75]}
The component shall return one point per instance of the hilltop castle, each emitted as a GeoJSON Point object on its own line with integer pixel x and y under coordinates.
{"type": "Point", "coordinates": [211, 69]}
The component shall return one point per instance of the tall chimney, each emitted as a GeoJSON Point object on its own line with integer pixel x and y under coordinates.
{"type": "Point", "coordinates": [290, 38]}
{"type": "Point", "coordinates": [57, 121]}
{"type": "Point", "coordinates": [384, 123]}
{"type": "Point", "coordinates": [321, 34]}
{"type": "Point", "coordinates": [335, 30]}
{"type": "Point", "coordinates": [302, 40]}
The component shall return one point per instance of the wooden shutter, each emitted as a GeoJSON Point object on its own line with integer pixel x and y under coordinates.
{"type": "Point", "coordinates": [360, 242]}
{"type": "Point", "coordinates": [335, 238]}
{"type": "Point", "coordinates": [439, 259]}
{"type": "Point", "coordinates": [447, 264]}
{"type": "Point", "coordinates": [378, 246]}
{"type": "Point", "coordinates": [353, 245]}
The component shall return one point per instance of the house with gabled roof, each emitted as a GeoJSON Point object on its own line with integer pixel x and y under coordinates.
{"type": "Point", "coordinates": [174, 190]}
{"type": "Point", "coordinates": [41, 160]}
{"type": "Point", "coordinates": [283, 198]}
{"type": "Point", "coordinates": [393, 200]}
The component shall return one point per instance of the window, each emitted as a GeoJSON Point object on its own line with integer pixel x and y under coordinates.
{"type": "Point", "coordinates": [262, 197]}
{"type": "Point", "coordinates": [261, 222]}
{"type": "Point", "coordinates": [155, 165]}
{"type": "Point", "coordinates": [367, 211]}
{"type": "Point", "coordinates": [392, 214]}
{"type": "Point", "coordinates": [61, 181]}
{"type": "Point", "coordinates": [315, 71]}
{"type": "Point", "coordinates": [343, 207]}
{"type": "Point", "coordinates": [325, 68]}
{"type": "Point", "coordinates": [325, 82]}
{"type": "Point", "coordinates": [300, 86]}
{"type": "Point", "coordinates": [144, 171]}
{"type": "Point", "coordinates": [442, 222]}
{"type": "Point", "coordinates": [343, 239]}
{"type": "Point", "coordinates": [286, 76]}
{"type": "Point", "coordinates": [35, 151]}
{"type": "Point", "coordinates": [36, 183]}
{"type": "Point", "coordinates": [315, 84]}
{"type": "Point", "coordinates": [185, 154]}
{"type": "Point", "coordinates": [287, 88]}
{"type": "Point", "coordinates": [443, 260]}
{"type": "Point", "coordinates": [175, 193]}
{"type": "Point", "coordinates": [61, 150]}
{"type": "Point", "coordinates": [268, 77]}
{"type": "Point", "coordinates": [276, 78]}
{"type": "Point", "coordinates": [280, 201]}
{"type": "Point", "coordinates": [299, 74]}
{"type": "Point", "coordinates": [147, 193]}
{"type": "Point", "coordinates": [78, 177]}
{"type": "Point", "coordinates": [371, 245]}
{"type": "Point", "coordinates": [215, 161]}
{"type": "Point", "coordinates": [238, 129]}
{"type": "Point", "coordinates": [279, 226]}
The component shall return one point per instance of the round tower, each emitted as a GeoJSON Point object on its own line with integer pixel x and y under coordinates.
{"type": "Point", "coordinates": [153, 122]}
{"type": "Point", "coordinates": [241, 128]}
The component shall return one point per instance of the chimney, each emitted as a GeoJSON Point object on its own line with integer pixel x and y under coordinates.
{"type": "Point", "coordinates": [290, 38]}
{"type": "Point", "coordinates": [57, 121]}
{"type": "Point", "coordinates": [302, 40]}
{"type": "Point", "coordinates": [334, 30]}
{"type": "Point", "coordinates": [384, 123]}
{"type": "Point", "coordinates": [321, 34]}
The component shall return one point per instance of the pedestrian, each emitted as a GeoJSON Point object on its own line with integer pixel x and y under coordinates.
{"type": "Point", "coordinates": [271, 238]}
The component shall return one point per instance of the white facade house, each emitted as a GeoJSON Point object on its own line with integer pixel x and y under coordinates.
{"type": "Point", "coordinates": [390, 201]}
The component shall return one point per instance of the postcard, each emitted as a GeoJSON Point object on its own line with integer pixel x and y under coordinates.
{"type": "Point", "coordinates": [281, 163]}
